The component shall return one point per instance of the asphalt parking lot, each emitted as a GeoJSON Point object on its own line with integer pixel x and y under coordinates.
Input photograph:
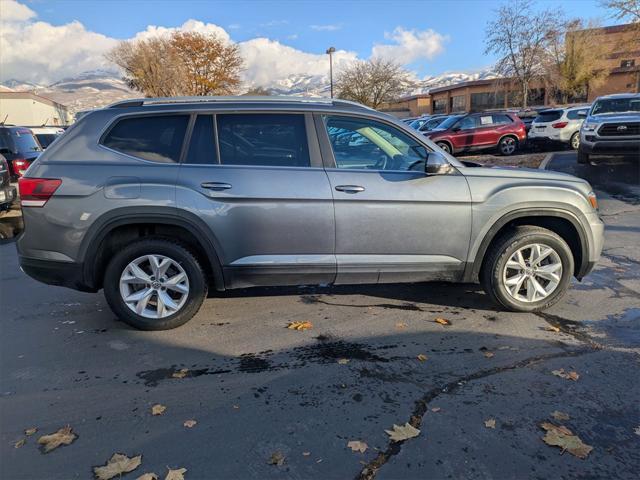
{"type": "Point", "coordinates": [271, 402]}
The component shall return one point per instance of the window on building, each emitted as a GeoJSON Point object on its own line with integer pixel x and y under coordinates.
{"type": "Point", "coordinates": [628, 63]}
{"type": "Point", "coordinates": [157, 138]}
{"type": "Point", "coordinates": [439, 105]}
{"type": "Point", "coordinates": [458, 103]}
{"type": "Point", "coordinates": [486, 100]}
{"type": "Point", "coordinates": [263, 139]}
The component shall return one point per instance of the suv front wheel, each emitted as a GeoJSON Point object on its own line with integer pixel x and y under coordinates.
{"type": "Point", "coordinates": [154, 284]}
{"type": "Point", "coordinates": [528, 269]}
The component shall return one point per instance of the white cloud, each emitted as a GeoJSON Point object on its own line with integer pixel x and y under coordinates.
{"type": "Point", "coordinates": [410, 45]}
{"type": "Point", "coordinates": [325, 28]}
{"type": "Point", "coordinates": [12, 11]}
{"type": "Point", "coordinates": [189, 26]}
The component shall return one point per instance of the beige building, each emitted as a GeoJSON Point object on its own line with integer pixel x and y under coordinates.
{"type": "Point", "coordinates": [30, 110]}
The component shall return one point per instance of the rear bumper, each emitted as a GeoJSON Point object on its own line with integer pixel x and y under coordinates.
{"type": "Point", "coordinates": [63, 274]}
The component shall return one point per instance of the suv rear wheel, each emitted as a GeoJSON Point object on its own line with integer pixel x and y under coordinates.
{"type": "Point", "coordinates": [507, 145]}
{"type": "Point", "coordinates": [528, 269]}
{"type": "Point", "coordinates": [154, 284]}
{"type": "Point", "coordinates": [444, 146]}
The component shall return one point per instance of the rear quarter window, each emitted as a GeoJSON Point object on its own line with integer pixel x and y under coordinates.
{"type": "Point", "coordinates": [157, 138]}
{"type": "Point", "coordinates": [574, 114]}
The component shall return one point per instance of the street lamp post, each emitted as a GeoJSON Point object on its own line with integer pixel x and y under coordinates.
{"type": "Point", "coordinates": [329, 52]}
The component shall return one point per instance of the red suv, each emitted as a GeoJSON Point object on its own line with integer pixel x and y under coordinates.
{"type": "Point", "coordinates": [477, 131]}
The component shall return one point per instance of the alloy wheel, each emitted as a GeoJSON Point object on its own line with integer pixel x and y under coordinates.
{"type": "Point", "coordinates": [507, 146]}
{"type": "Point", "coordinates": [575, 141]}
{"type": "Point", "coordinates": [532, 273]}
{"type": "Point", "coordinates": [154, 286]}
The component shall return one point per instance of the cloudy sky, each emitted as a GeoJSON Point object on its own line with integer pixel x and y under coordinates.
{"type": "Point", "coordinates": [43, 41]}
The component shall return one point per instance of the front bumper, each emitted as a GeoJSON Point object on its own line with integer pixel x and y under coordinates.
{"type": "Point", "coordinates": [595, 145]}
{"type": "Point", "coordinates": [62, 274]}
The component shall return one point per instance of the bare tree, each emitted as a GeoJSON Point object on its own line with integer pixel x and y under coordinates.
{"type": "Point", "coordinates": [623, 10]}
{"type": "Point", "coordinates": [258, 91]}
{"type": "Point", "coordinates": [372, 82]}
{"type": "Point", "coordinates": [520, 36]}
{"type": "Point", "coordinates": [182, 63]}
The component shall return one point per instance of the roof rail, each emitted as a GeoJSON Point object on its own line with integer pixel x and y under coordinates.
{"type": "Point", "coordinates": [139, 102]}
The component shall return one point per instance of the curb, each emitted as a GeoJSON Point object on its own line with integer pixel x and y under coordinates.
{"type": "Point", "coordinates": [546, 161]}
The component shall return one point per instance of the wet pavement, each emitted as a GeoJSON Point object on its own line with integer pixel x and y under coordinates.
{"type": "Point", "coordinates": [255, 387]}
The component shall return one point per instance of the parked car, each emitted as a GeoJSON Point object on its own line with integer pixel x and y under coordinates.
{"type": "Point", "coordinates": [558, 125]}
{"type": "Point", "coordinates": [230, 192]}
{"type": "Point", "coordinates": [7, 191]}
{"type": "Point", "coordinates": [611, 127]}
{"type": "Point", "coordinates": [46, 135]}
{"type": "Point", "coordinates": [408, 120]}
{"type": "Point", "coordinates": [528, 115]}
{"type": "Point", "coordinates": [429, 123]}
{"type": "Point", "coordinates": [478, 131]}
{"type": "Point", "coordinates": [19, 147]}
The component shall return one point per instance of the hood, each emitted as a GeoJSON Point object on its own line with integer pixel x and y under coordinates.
{"type": "Point", "coordinates": [521, 173]}
{"type": "Point", "coordinates": [615, 117]}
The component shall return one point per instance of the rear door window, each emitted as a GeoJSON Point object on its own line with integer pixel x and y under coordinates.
{"type": "Point", "coordinates": [202, 148]}
{"type": "Point", "coordinates": [270, 140]}
{"type": "Point", "coordinates": [155, 138]}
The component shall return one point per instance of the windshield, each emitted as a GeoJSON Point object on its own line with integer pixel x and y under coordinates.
{"type": "Point", "coordinates": [616, 105]}
{"type": "Point", "coordinates": [449, 122]}
{"type": "Point", "coordinates": [24, 141]}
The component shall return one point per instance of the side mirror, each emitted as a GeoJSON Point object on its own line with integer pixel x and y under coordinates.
{"type": "Point", "coordinates": [582, 114]}
{"type": "Point", "coordinates": [437, 164]}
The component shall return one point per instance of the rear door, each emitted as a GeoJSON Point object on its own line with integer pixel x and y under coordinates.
{"type": "Point", "coordinates": [393, 222]}
{"type": "Point", "coordinates": [256, 179]}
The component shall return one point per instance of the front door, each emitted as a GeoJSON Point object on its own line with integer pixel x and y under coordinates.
{"type": "Point", "coordinates": [394, 223]}
{"type": "Point", "coordinates": [257, 181]}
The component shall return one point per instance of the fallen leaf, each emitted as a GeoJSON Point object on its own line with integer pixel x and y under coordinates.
{"type": "Point", "coordinates": [567, 375]}
{"type": "Point", "coordinates": [277, 458]}
{"type": "Point", "coordinates": [489, 354]}
{"type": "Point", "coordinates": [551, 328]}
{"type": "Point", "coordinates": [404, 432]}
{"type": "Point", "coordinates": [177, 474]}
{"type": "Point", "coordinates": [189, 423]}
{"type": "Point", "coordinates": [180, 373]}
{"type": "Point", "coordinates": [300, 325]}
{"type": "Point", "coordinates": [236, 407]}
{"type": "Point", "coordinates": [343, 361]}
{"type": "Point", "coordinates": [490, 423]}
{"type": "Point", "coordinates": [442, 321]}
{"type": "Point", "coordinates": [20, 443]}
{"type": "Point", "coordinates": [560, 415]}
{"type": "Point", "coordinates": [422, 357]}
{"type": "Point", "coordinates": [148, 476]}
{"type": "Point", "coordinates": [357, 446]}
{"type": "Point", "coordinates": [306, 454]}
{"type": "Point", "coordinates": [30, 431]}
{"type": "Point", "coordinates": [435, 409]}
{"type": "Point", "coordinates": [116, 466]}
{"type": "Point", "coordinates": [63, 436]}
{"type": "Point", "coordinates": [401, 325]}
{"type": "Point", "coordinates": [158, 409]}
{"type": "Point", "coordinates": [560, 436]}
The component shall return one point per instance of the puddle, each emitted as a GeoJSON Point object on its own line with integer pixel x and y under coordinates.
{"type": "Point", "coordinates": [622, 329]}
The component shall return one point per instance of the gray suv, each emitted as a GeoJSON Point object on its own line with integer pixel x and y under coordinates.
{"type": "Point", "coordinates": [157, 200]}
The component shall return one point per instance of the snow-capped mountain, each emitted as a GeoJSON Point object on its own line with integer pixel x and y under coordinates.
{"type": "Point", "coordinates": [97, 88]}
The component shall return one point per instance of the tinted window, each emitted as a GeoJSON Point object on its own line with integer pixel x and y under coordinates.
{"type": "Point", "coordinates": [467, 123]}
{"type": "Point", "coordinates": [574, 114]}
{"type": "Point", "coordinates": [46, 139]}
{"type": "Point", "coordinates": [359, 143]}
{"type": "Point", "coordinates": [447, 122]}
{"type": "Point", "coordinates": [202, 148]}
{"type": "Point", "coordinates": [24, 141]}
{"type": "Point", "coordinates": [501, 119]}
{"type": "Point", "coordinates": [155, 138]}
{"type": "Point", "coordinates": [548, 116]}
{"type": "Point", "coordinates": [263, 139]}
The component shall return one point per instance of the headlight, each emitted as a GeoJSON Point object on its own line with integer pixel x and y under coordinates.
{"type": "Point", "coordinates": [593, 200]}
{"type": "Point", "coordinates": [589, 127]}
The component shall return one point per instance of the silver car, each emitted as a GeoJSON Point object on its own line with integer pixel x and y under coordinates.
{"type": "Point", "coordinates": [560, 125]}
{"type": "Point", "coordinates": [157, 200]}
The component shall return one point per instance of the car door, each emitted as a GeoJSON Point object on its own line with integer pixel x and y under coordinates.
{"type": "Point", "coordinates": [393, 222]}
{"type": "Point", "coordinates": [464, 133]}
{"type": "Point", "coordinates": [256, 180]}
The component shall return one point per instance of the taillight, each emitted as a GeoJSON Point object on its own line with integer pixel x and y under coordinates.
{"type": "Point", "coordinates": [559, 124]}
{"type": "Point", "coordinates": [20, 166]}
{"type": "Point", "coordinates": [34, 192]}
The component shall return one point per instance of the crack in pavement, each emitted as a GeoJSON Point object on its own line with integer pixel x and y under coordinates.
{"type": "Point", "coordinates": [370, 470]}
{"type": "Point", "coordinates": [569, 327]}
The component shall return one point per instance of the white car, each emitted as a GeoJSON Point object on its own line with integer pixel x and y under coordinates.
{"type": "Point", "coordinates": [46, 135]}
{"type": "Point", "coordinates": [558, 125]}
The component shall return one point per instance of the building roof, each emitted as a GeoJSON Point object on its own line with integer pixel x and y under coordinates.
{"type": "Point", "coordinates": [31, 96]}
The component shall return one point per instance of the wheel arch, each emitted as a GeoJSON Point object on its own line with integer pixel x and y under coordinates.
{"type": "Point", "coordinates": [512, 135]}
{"type": "Point", "coordinates": [448, 142]}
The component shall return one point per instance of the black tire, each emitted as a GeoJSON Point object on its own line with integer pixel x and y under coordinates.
{"type": "Point", "coordinates": [507, 146]}
{"type": "Point", "coordinates": [444, 146]}
{"type": "Point", "coordinates": [503, 248]}
{"type": "Point", "coordinates": [169, 248]}
{"type": "Point", "coordinates": [583, 158]}
{"type": "Point", "coordinates": [574, 141]}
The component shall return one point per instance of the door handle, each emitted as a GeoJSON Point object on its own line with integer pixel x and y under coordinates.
{"type": "Point", "coordinates": [216, 186]}
{"type": "Point", "coordinates": [349, 188]}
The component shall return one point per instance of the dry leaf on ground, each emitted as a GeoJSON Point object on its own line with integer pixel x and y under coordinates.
{"type": "Point", "coordinates": [357, 446]}
{"type": "Point", "coordinates": [404, 432]}
{"type": "Point", "coordinates": [63, 436]}
{"type": "Point", "coordinates": [401, 325]}
{"type": "Point", "coordinates": [489, 354]}
{"type": "Point", "coordinates": [177, 474]}
{"type": "Point", "coordinates": [148, 476]}
{"type": "Point", "coordinates": [343, 361]}
{"type": "Point", "coordinates": [20, 443]}
{"type": "Point", "coordinates": [551, 328]}
{"type": "Point", "coordinates": [442, 321]}
{"type": "Point", "coordinates": [277, 458]}
{"type": "Point", "coordinates": [189, 423]}
{"type": "Point", "coordinates": [558, 415]}
{"type": "Point", "coordinates": [30, 431]}
{"type": "Point", "coordinates": [116, 466]}
{"type": "Point", "coordinates": [180, 373]}
{"type": "Point", "coordinates": [490, 423]}
{"type": "Point", "coordinates": [306, 454]}
{"type": "Point", "coordinates": [560, 436]}
{"type": "Point", "coordinates": [158, 409]}
{"type": "Point", "coordinates": [300, 325]}
{"type": "Point", "coordinates": [567, 375]}
{"type": "Point", "coordinates": [435, 409]}
{"type": "Point", "coordinates": [422, 357]}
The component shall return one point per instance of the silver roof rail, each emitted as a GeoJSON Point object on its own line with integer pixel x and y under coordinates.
{"type": "Point", "coordinates": [139, 102]}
